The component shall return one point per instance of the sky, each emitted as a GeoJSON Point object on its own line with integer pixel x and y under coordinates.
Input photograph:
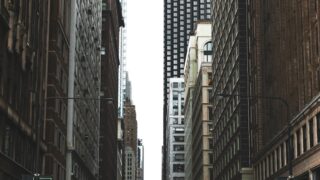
{"type": "Point", "coordinates": [145, 67]}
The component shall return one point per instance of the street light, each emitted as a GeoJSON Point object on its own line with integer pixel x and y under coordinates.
{"type": "Point", "coordinates": [285, 103]}
{"type": "Point", "coordinates": [37, 173]}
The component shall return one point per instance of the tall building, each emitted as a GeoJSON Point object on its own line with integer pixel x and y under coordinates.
{"type": "Point", "coordinates": [231, 159]}
{"type": "Point", "coordinates": [179, 19]}
{"type": "Point", "coordinates": [198, 119]}
{"type": "Point", "coordinates": [140, 160]}
{"type": "Point", "coordinates": [109, 152]}
{"type": "Point", "coordinates": [57, 86]}
{"type": "Point", "coordinates": [23, 60]}
{"type": "Point", "coordinates": [284, 63]}
{"type": "Point", "coordinates": [190, 75]}
{"type": "Point", "coordinates": [175, 131]}
{"type": "Point", "coordinates": [84, 83]}
{"type": "Point", "coordinates": [123, 59]}
{"type": "Point", "coordinates": [130, 141]}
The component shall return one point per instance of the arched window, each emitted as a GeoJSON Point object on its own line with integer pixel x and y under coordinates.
{"type": "Point", "coordinates": [207, 52]}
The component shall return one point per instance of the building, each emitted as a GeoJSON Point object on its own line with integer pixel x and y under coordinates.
{"type": "Point", "coordinates": [175, 131]}
{"type": "Point", "coordinates": [198, 122]}
{"type": "Point", "coordinates": [179, 19]}
{"type": "Point", "coordinates": [231, 158]}
{"type": "Point", "coordinates": [111, 22]}
{"type": "Point", "coordinates": [190, 75]}
{"type": "Point", "coordinates": [23, 62]}
{"type": "Point", "coordinates": [130, 141]}
{"type": "Point", "coordinates": [121, 150]}
{"type": "Point", "coordinates": [284, 63]}
{"type": "Point", "coordinates": [57, 90]}
{"type": "Point", "coordinates": [140, 160]}
{"type": "Point", "coordinates": [123, 59]}
{"type": "Point", "coordinates": [84, 83]}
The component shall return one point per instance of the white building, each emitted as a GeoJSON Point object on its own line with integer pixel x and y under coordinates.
{"type": "Point", "coordinates": [83, 115]}
{"type": "Point", "coordinates": [122, 85]}
{"type": "Point", "coordinates": [175, 130]}
{"type": "Point", "coordinates": [130, 164]}
{"type": "Point", "coordinates": [197, 122]}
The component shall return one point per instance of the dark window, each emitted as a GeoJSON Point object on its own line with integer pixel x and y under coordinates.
{"type": "Point", "coordinates": [178, 168]}
{"type": "Point", "coordinates": [210, 158]}
{"type": "Point", "coordinates": [179, 138]}
{"type": "Point", "coordinates": [178, 178]}
{"type": "Point", "coordinates": [178, 147]}
{"type": "Point", "coordinates": [318, 127]}
{"type": "Point", "coordinates": [304, 133]}
{"type": "Point", "coordinates": [298, 143]}
{"type": "Point", "coordinates": [311, 132]}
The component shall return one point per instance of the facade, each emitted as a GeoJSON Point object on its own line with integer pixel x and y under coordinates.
{"type": "Point", "coordinates": [179, 19]}
{"type": "Point", "coordinates": [231, 159]}
{"type": "Point", "coordinates": [130, 141]}
{"type": "Point", "coordinates": [198, 78]}
{"type": "Point", "coordinates": [23, 62]}
{"type": "Point", "coordinates": [57, 86]}
{"type": "Point", "coordinates": [84, 82]}
{"type": "Point", "coordinates": [123, 59]}
{"type": "Point", "coordinates": [190, 73]}
{"type": "Point", "coordinates": [140, 160]}
{"type": "Point", "coordinates": [121, 150]}
{"type": "Point", "coordinates": [284, 62]}
{"type": "Point", "coordinates": [110, 60]}
{"type": "Point", "coordinates": [175, 131]}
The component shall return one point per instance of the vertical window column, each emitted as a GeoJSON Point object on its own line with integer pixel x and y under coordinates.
{"type": "Point", "coordinates": [284, 154]}
{"type": "Point", "coordinates": [317, 121]}
{"type": "Point", "coordinates": [295, 145]}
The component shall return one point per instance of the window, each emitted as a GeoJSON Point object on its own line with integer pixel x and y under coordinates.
{"type": "Point", "coordinates": [311, 132]}
{"type": "Point", "coordinates": [304, 134]}
{"type": "Point", "coordinates": [179, 138]}
{"type": "Point", "coordinates": [207, 51]}
{"type": "Point", "coordinates": [298, 142]}
{"type": "Point", "coordinates": [178, 168]}
{"type": "Point", "coordinates": [318, 126]}
{"type": "Point", "coordinates": [178, 130]}
{"type": "Point", "coordinates": [178, 147]}
{"type": "Point", "coordinates": [179, 157]}
{"type": "Point", "coordinates": [178, 178]}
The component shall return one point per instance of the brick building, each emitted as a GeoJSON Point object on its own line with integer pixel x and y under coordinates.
{"type": "Point", "coordinates": [23, 62]}
{"type": "Point", "coordinates": [284, 62]}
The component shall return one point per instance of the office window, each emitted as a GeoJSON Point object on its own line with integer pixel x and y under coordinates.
{"type": "Point", "coordinates": [178, 157]}
{"type": "Point", "coordinates": [178, 147]}
{"type": "Point", "coordinates": [318, 126]}
{"type": "Point", "coordinates": [311, 132]}
{"type": "Point", "coordinates": [178, 138]}
{"type": "Point", "coordinates": [178, 168]}
{"type": "Point", "coordinates": [304, 137]}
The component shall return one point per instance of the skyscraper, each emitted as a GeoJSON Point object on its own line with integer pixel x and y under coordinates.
{"type": "Point", "coordinates": [175, 131]}
{"type": "Point", "coordinates": [123, 60]}
{"type": "Point", "coordinates": [140, 160]}
{"type": "Point", "coordinates": [179, 18]}
{"type": "Point", "coordinates": [198, 122]}
{"type": "Point", "coordinates": [130, 140]}
{"type": "Point", "coordinates": [284, 63]}
{"type": "Point", "coordinates": [112, 21]}
{"type": "Point", "coordinates": [229, 69]}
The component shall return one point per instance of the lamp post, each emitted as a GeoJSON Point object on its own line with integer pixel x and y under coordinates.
{"type": "Point", "coordinates": [285, 103]}
{"type": "Point", "coordinates": [37, 173]}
